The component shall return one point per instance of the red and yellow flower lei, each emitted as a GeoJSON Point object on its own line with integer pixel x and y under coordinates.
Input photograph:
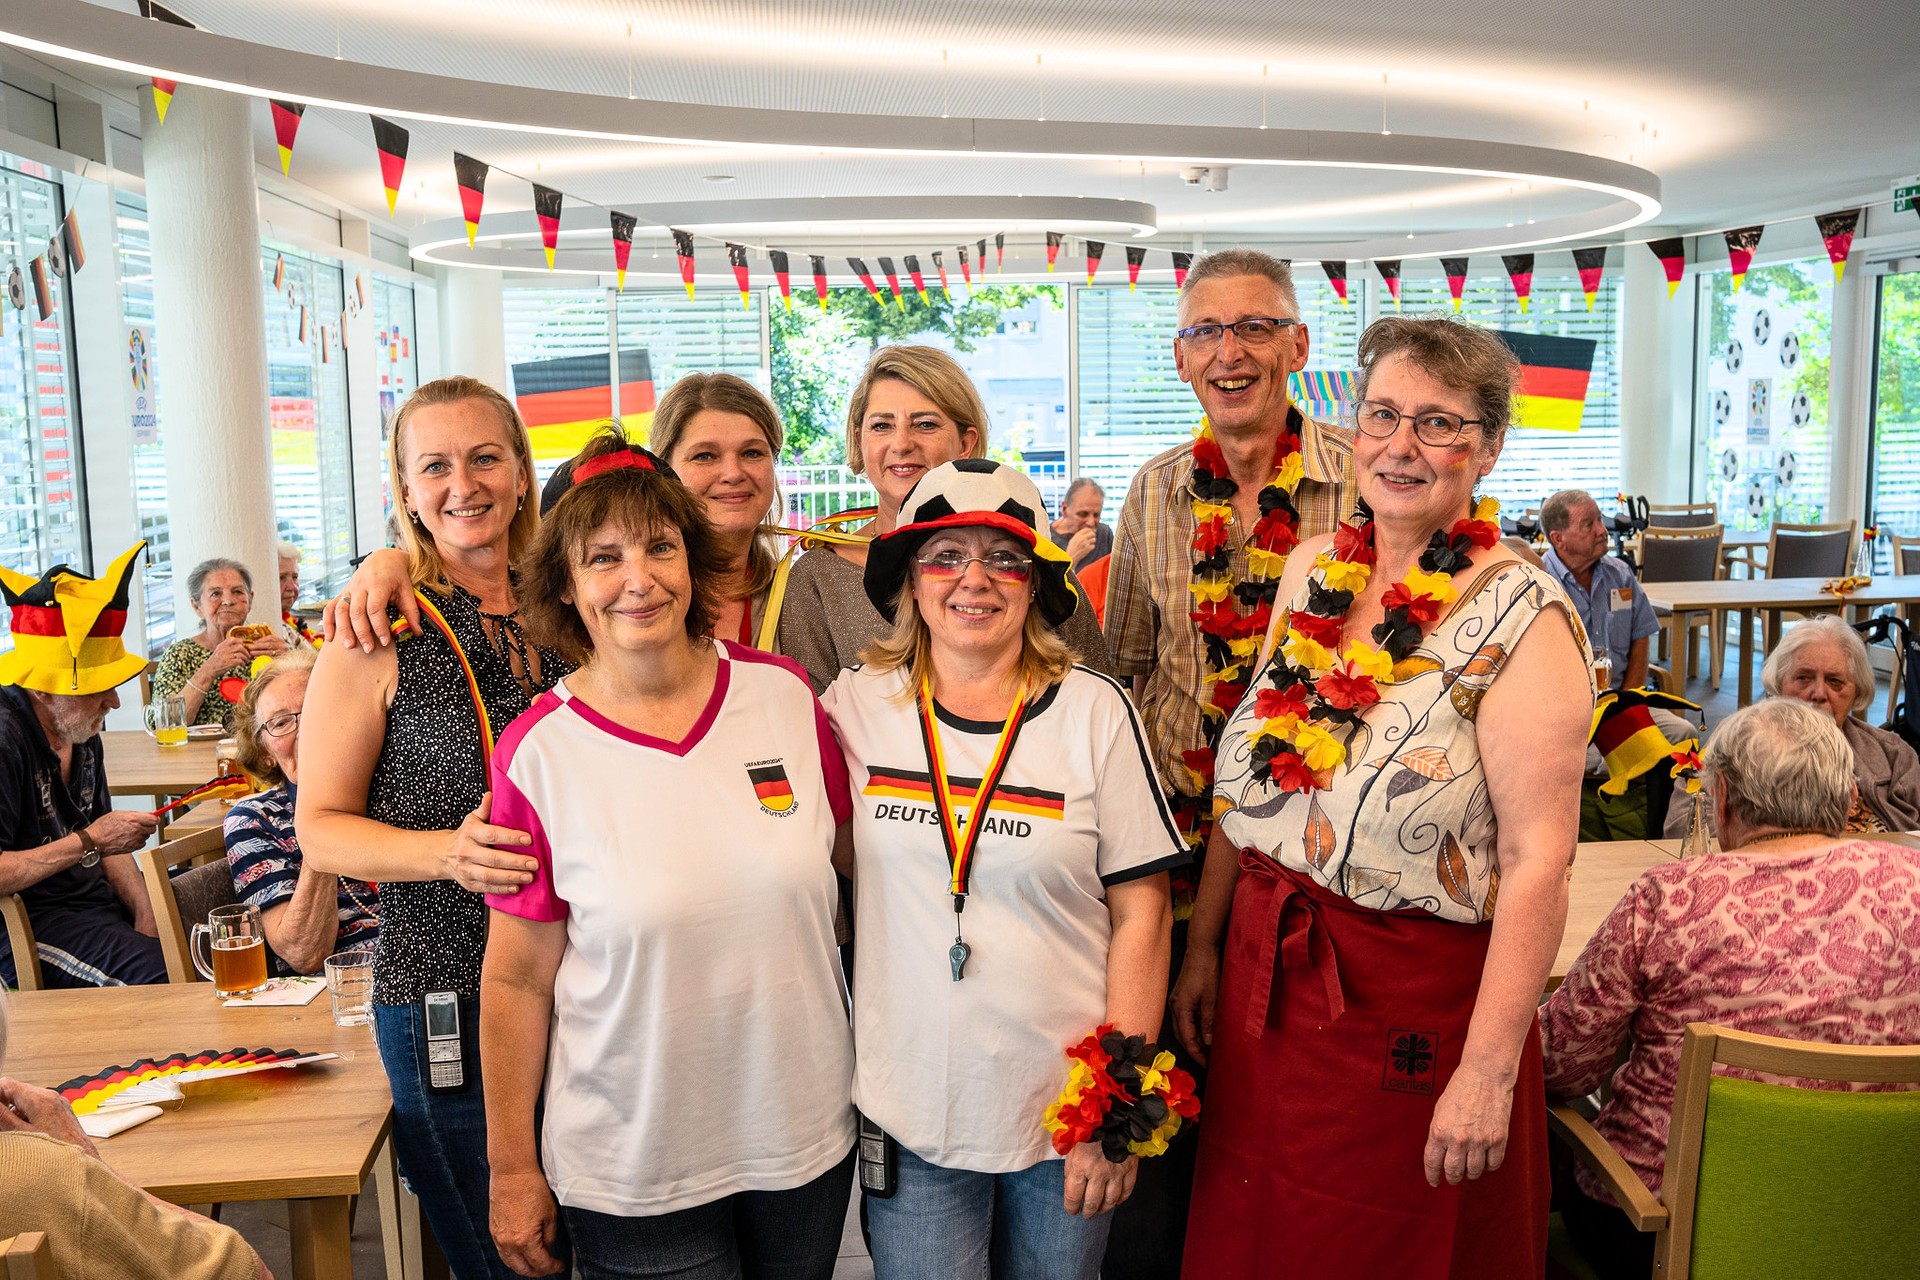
{"type": "Point", "coordinates": [1317, 685]}
{"type": "Point", "coordinates": [1115, 1092]}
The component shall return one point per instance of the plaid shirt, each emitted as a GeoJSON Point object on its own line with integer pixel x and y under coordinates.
{"type": "Point", "coordinates": [1147, 598]}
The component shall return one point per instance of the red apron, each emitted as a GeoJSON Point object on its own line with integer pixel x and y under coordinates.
{"type": "Point", "coordinates": [1338, 1027]}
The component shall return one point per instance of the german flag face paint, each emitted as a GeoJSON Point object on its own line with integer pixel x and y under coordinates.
{"type": "Point", "coordinates": [771, 788]}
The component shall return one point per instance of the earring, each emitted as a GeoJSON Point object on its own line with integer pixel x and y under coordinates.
{"type": "Point", "coordinates": [520, 504]}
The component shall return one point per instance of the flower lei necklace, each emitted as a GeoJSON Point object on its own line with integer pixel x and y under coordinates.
{"type": "Point", "coordinates": [1317, 686]}
{"type": "Point", "coordinates": [1233, 638]}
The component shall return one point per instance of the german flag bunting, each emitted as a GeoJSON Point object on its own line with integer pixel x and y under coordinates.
{"type": "Point", "coordinates": [782, 276]}
{"type": "Point", "coordinates": [279, 272]}
{"type": "Point", "coordinates": [819, 266]}
{"type": "Point", "coordinates": [966, 271]}
{"type": "Point", "coordinates": [1520, 271]}
{"type": "Point", "coordinates": [1672, 253]}
{"type": "Point", "coordinates": [1591, 264]}
{"type": "Point", "coordinates": [737, 259]}
{"type": "Point", "coordinates": [1456, 271]}
{"type": "Point", "coordinates": [1389, 270]}
{"type": "Point", "coordinates": [893, 283]}
{"type": "Point", "coordinates": [163, 91]}
{"type": "Point", "coordinates": [42, 289]}
{"type": "Point", "coordinates": [1095, 251]}
{"type": "Point", "coordinates": [683, 250]}
{"type": "Point", "coordinates": [623, 224]}
{"type": "Point", "coordinates": [286, 123]}
{"type": "Point", "coordinates": [859, 268]}
{"type": "Point", "coordinates": [1053, 247]}
{"type": "Point", "coordinates": [917, 276]}
{"type": "Point", "coordinates": [70, 239]}
{"type": "Point", "coordinates": [303, 326]}
{"type": "Point", "coordinates": [359, 293]}
{"type": "Point", "coordinates": [939, 265]}
{"type": "Point", "coordinates": [326, 353]}
{"type": "Point", "coordinates": [999, 252]}
{"type": "Point", "coordinates": [1337, 277]}
{"type": "Point", "coordinates": [983, 259]}
{"type": "Point", "coordinates": [471, 174]}
{"type": "Point", "coordinates": [1836, 232]}
{"type": "Point", "coordinates": [1182, 263]}
{"type": "Point", "coordinates": [1741, 242]}
{"type": "Point", "coordinates": [1135, 257]}
{"type": "Point", "coordinates": [546, 208]}
{"type": "Point", "coordinates": [390, 140]}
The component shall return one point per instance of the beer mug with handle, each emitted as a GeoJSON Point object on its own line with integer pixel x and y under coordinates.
{"type": "Point", "coordinates": [238, 966]}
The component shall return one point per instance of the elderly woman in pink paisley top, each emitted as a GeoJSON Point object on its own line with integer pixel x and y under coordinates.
{"type": "Point", "coordinates": [1741, 938]}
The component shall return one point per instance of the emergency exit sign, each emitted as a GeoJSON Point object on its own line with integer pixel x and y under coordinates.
{"type": "Point", "coordinates": [1906, 194]}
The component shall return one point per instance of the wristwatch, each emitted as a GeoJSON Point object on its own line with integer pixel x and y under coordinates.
{"type": "Point", "coordinates": [90, 857]}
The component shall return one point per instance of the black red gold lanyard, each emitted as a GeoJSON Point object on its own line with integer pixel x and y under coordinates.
{"type": "Point", "coordinates": [961, 843]}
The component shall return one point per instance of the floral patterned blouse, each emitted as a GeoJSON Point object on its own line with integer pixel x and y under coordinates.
{"type": "Point", "coordinates": [1819, 944]}
{"type": "Point", "coordinates": [177, 665]}
{"type": "Point", "coordinates": [1407, 821]}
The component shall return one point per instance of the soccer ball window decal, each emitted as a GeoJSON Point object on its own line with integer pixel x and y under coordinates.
{"type": "Point", "coordinates": [1736, 355]}
{"type": "Point", "coordinates": [1762, 328]}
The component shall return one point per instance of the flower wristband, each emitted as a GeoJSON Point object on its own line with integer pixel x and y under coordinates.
{"type": "Point", "coordinates": [1122, 1092]}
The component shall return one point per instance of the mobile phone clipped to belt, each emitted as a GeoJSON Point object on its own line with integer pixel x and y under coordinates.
{"type": "Point", "coordinates": [446, 1052]}
{"type": "Point", "coordinates": [879, 1160]}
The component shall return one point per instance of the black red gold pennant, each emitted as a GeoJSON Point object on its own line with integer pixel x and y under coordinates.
{"type": "Point", "coordinates": [940, 266]}
{"type": "Point", "coordinates": [163, 91]}
{"type": "Point", "coordinates": [471, 174]}
{"type": "Point", "coordinates": [623, 224]}
{"type": "Point", "coordinates": [819, 266]}
{"type": "Point", "coordinates": [1672, 253]}
{"type": "Point", "coordinates": [683, 250]}
{"type": "Point", "coordinates": [919, 279]}
{"type": "Point", "coordinates": [1591, 264]}
{"type": "Point", "coordinates": [1520, 271]}
{"type": "Point", "coordinates": [782, 276]}
{"type": "Point", "coordinates": [1836, 233]}
{"type": "Point", "coordinates": [1337, 277]}
{"type": "Point", "coordinates": [1095, 251]}
{"type": "Point", "coordinates": [390, 140]}
{"type": "Point", "coordinates": [1136, 256]}
{"type": "Point", "coordinates": [1389, 270]}
{"type": "Point", "coordinates": [546, 209]}
{"type": "Point", "coordinates": [286, 124]}
{"type": "Point", "coordinates": [737, 259]}
{"type": "Point", "coordinates": [893, 282]}
{"type": "Point", "coordinates": [859, 268]}
{"type": "Point", "coordinates": [966, 271]}
{"type": "Point", "coordinates": [1053, 247]}
{"type": "Point", "coordinates": [1741, 242]}
{"type": "Point", "coordinates": [999, 252]}
{"type": "Point", "coordinates": [1456, 272]}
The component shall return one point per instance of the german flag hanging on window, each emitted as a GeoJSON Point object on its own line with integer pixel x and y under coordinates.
{"type": "Point", "coordinates": [390, 140]}
{"type": "Point", "coordinates": [286, 123]}
{"type": "Point", "coordinates": [471, 174]}
{"type": "Point", "coordinates": [1456, 269]}
{"type": "Point", "coordinates": [546, 208]}
{"type": "Point", "coordinates": [623, 225]}
{"type": "Point", "coordinates": [1554, 373]}
{"type": "Point", "coordinates": [1520, 271]}
{"type": "Point", "coordinates": [42, 289]}
{"type": "Point", "coordinates": [564, 401]}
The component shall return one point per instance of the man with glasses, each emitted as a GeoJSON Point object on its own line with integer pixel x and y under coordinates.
{"type": "Point", "coordinates": [1240, 336]}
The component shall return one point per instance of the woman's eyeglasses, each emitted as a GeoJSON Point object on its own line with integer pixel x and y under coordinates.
{"type": "Point", "coordinates": [1003, 566]}
{"type": "Point", "coordinates": [1434, 427]}
{"type": "Point", "coordinates": [281, 725]}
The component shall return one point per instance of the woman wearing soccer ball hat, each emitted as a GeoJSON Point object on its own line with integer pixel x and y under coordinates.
{"type": "Point", "coordinates": [1009, 855]}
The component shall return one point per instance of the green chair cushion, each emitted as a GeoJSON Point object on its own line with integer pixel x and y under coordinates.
{"type": "Point", "coordinates": [1807, 1183]}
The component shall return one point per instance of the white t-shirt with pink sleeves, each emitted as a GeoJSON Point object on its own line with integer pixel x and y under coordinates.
{"type": "Point", "coordinates": [700, 1044]}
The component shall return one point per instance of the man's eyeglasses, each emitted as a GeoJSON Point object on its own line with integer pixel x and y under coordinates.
{"type": "Point", "coordinates": [1006, 566]}
{"type": "Point", "coordinates": [281, 725]}
{"type": "Point", "coordinates": [1254, 331]}
{"type": "Point", "coordinates": [1434, 427]}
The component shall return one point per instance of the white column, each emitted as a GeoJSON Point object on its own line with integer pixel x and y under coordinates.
{"type": "Point", "coordinates": [1850, 394]}
{"type": "Point", "coordinates": [473, 326]}
{"type": "Point", "coordinates": [1656, 420]}
{"type": "Point", "coordinates": [203, 209]}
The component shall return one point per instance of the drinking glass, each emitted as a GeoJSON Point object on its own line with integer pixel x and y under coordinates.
{"type": "Point", "coordinates": [170, 720]}
{"type": "Point", "coordinates": [350, 980]}
{"type": "Point", "coordinates": [239, 945]}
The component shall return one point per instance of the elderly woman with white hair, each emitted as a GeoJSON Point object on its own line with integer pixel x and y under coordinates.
{"type": "Point", "coordinates": [1823, 662]}
{"type": "Point", "coordinates": [1793, 929]}
{"type": "Point", "coordinates": [100, 1226]}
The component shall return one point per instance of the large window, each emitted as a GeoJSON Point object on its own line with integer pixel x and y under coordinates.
{"type": "Point", "coordinates": [1896, 407]}
{"type": "Point", "coordinates": [41, 489]}
{"type": "Point", "coordinates": [149, 458]}
{"type": "Point", "coordinates": [1762, 441]}
{"type": "Point", "coordinates": [1132, 402]}
{"type": "Point", "coordinates": [1535, 463]}
{"type": "Point", "coordinates": [307, 403]}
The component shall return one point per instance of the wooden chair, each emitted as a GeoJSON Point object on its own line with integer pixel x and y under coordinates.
{"type": "Point", "coordinates": [1906, 554]}
{"type": "Point", "coordinates": [1770, 1181]}
{"type": "Point", "coordinates": [1688, 555]}
{"type": "Point", "coordinates": [1683, 515]}
{"type": "Point", "coordinates": [28, 1256]}
{"type": "Point", "coordinates": [146, 684]}
{"type": "Point", "coordinates": [188, 896]}
{"type": "Point", "coordinates": [26, 956]}
{"type": "Point", "coordinates": [1810, 550]}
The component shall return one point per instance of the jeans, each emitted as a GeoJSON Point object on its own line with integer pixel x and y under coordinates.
{"type": "Point", "coordinates": [950, 1224]}
{"type": "Point", "coordinates": [752, 1235]}
{"type": "Point", "coordinates": [441, 1138]}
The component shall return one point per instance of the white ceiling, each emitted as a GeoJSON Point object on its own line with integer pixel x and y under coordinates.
{"type": "Point", "coordinates": [1745, 111]}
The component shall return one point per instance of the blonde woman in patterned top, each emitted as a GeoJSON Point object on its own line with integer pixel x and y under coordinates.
{"type": "Point", "coordinates": [1793, 929]}
{"type": "Point", "coordinates": [1409, 751]}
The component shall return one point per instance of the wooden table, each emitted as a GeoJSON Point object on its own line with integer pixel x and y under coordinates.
{"type": "Point", "coordinates": [1771, 597]}
{"type": "Point", "coordinates": [307, 1135]}
{"type": "Point", "coordinates": [139, 766]}
{"type": "Point", "coordinates": [1602, 873]}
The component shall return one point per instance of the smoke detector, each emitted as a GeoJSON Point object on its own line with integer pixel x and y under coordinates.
{"type": "Point", "coordinates": [1193, 177]}
{"type": "Point", "coordinates": [1217, 179]}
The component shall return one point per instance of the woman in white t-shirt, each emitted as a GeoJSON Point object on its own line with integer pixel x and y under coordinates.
{"type": "Point", "coordinates": [961, 1016]}
{"type": "Point", "coordinates": [670, 972]}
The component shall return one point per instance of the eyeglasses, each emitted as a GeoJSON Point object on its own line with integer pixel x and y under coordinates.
{"type": "Point", "coordinates": [1003, 566]}
{"type": "Point", "coordinates": [281, 725]}
{"type": "Point", "coordinates": [1434, 427]}
{"type": "Point", "coordinates": [1254, 331]}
